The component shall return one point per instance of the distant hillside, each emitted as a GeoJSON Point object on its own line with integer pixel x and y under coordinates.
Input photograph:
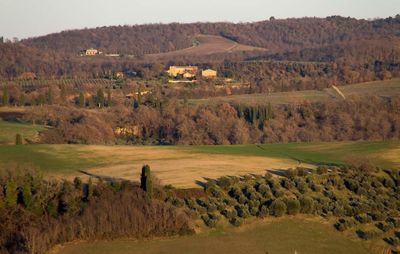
{"type": "Point", "coordinates": [276, 35]}
{"type": "Point", "coordinates": [206, 45]}
{"type": "Point", "coordinates": [353, 51]}
{"type": "Point", "coordinates": [346, 41]}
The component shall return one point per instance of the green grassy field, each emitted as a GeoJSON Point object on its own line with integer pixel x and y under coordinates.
{"type": "Point", "coordinates": [279, 237]}
{"type": "Point", "coordinates": [182, 166]}
{"type": "Point", "coordinates": [379, 88]}
{"type": "Point", "coordinates": [8, 130]}
{"type": "Point", "coordinates": [317, 153]}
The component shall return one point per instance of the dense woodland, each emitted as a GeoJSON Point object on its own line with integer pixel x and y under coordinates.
{"type": "Point", "coordinates": [36, 214]}
{"type": "Point", "coordinates": [274, 34]}
{"type": "Point", "coordinates": [371, 118]}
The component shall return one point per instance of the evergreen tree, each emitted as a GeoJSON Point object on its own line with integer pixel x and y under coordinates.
{"type": "Point", "coordinates": [145, 181]}
{"type": "Point", "coordinates": [139, 93]}
{"type": "Point", "coordinates": [11, 193]}
{"type": "Point", "coordinates": [49, 96]}
{"type": "Point", "coordinates": [240, 111]}
{"type": "Point", "coordinates": [100, 98]}
{"type": "Point", "coordinates": [89, 190]}
{"type": "Point", "coordinates": [21, 101]}
{"type": "Point", "coordinates": [81, 100]}
{"type": "Point", "coordinates": [63, 93]}
{"type": "Point", "coordinates": [269, 115]}
{"type": "Point", "coordinates": [6, 97]}
{"type": "Point", "coordinates": [27, 194]}
{"type": "Point", "coordinates": [109, 103]}
{"type": "Point", "coordinates": [18, 139]}
{"type": "Point", "coordinates": [253, 115]}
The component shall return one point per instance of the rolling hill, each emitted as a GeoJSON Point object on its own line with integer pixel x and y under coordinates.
{"type": "Point", "coordinates": [206, 45]}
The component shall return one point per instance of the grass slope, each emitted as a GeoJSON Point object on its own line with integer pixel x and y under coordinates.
{"type": "Point", "coordinates": [385, 88]}
{"type": "Point", "coordinates": [207, 45]}
{"type": "Point", "coordinates": [279, 237]}
{"type": "Point", "coordinates": [8, 130]}
{"type": "Point", "coordinates": [183, 166]}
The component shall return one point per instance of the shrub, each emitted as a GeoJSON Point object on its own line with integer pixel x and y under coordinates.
{"type": "Point", "coordinates": [322, 170]}
{"type": "Point", "coordinates": [368, 234]}
{"type": "Point", "coordinates": [225, 182]}
{"type": "Point", "coordinates": [291, 173]}
{"type": "Point", "coordinates": [385, 227]}
{"type": "Point", "coordinates": [394, 241]}
{"type": "Point", "coordinates": [293, 206]}
{"type": "Point", "coordinates": [237, 222]}
{"type": "Point", "coordinates": [210, 220]}
{"type": "Point", "coordinates": [264, 211]}
{"type": "Point", "coordinates": [307, 205]}
{"type": "Point", "coordinates": [278, 208]}
{"type": "Point", "coordinates": [229, 214]}
{"type": "Point", "coordinates": [18, 139]}
{"type": "Point", "coordinates": [344, 224]}
{"type": "Point", "coordinates": [254, 211]}
{"type": "Point", "coordinates": [263, 189]}
{"type": "Point", "coordinates": [363, 218]}
{"type": "Point", "coordinates": [243, 211]}
{"type": "Point", "coordinates": [378, 216]}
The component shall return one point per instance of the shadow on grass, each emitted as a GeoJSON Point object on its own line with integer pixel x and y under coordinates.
{"type": "Point", "coordinates": [107, 179]}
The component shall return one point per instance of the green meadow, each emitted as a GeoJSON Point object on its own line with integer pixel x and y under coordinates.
{"type": "Point", "coordinates": [285, 236]}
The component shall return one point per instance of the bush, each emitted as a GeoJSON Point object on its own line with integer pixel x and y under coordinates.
{"type": "Point", "coordinates": [385, 227]}
{"type": "Point", "coordinates": [225, 182]}
{"type": "Point", "coordinates": [278, 208]}
{"type": "Point", "coordinates": [344, 224]}
{"type": "Point", "coordinates": [307, 205]}
{"type": "Point", "coordinates": [229, 214]}
{"type": "Point", "coordinates": [322, 170]}
{"type": "Point", "coordinates": [237, 222]}
{"type": "Point", "coordinates": [263, 189]}
{"type": "Point", "coordinates": [243, 211]}
{"type": "Point", "coordinates": [363, 218]}
{"type": "Point", "coordinates": [293, 206]}
{"type": "Point", "coordinates": [210, 220]}
{"type": "Point", "coordinates": [368, 234]}
{"type": "Point", "coordinates": [18, 139]}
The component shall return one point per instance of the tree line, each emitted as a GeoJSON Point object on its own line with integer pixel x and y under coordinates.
{"type": "Point", "coordinates": [367, 118]}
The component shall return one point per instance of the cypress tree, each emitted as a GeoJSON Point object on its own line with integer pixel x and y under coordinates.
{"type": "Point", "coordinates": [49, 96]}
{"type": "Point", "coordinates": [145, 181]}
{"type": "Point", "coordinates": [27, 195]}
{"type": "Point", "coordinates": [269, 116]}
{"type": "Point", "coordinates": [109, 97]}
{"type": "Point", "coordinates": [18, 139]}
{"type": "Point", "coordinates": [240, 111]}
{"type": "Point", "coordinates": [11, 193]}
{"type": "Point", "coordinates": [63, 93]}
{"type": "Point", "coordinates": [6, 97]}
{"type": "Point", "coordinates": [81, 100]}
{"type": "Point", "coordinates": [100, 98]}
{"type": "Point", "coordinates": [254, 115]}
{"type": "Point", "coordinates": [21, 101]}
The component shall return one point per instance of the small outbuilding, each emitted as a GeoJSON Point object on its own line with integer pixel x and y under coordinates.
{"type": "Point", "coordinates": [209, 73]}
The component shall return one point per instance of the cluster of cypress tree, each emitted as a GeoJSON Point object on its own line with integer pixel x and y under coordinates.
{"type": "Point", "coordinates": [255, 114]}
